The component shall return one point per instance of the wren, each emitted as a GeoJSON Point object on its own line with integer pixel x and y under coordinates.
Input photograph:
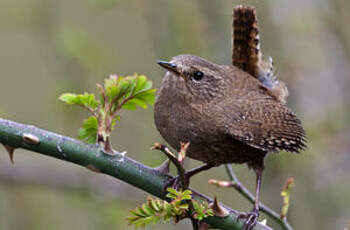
{"type": "Point", "coordinates": [229, 113]}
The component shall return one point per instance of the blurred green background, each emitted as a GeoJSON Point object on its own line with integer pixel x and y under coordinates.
{"type": "Point", "coordinates": [48, 47]}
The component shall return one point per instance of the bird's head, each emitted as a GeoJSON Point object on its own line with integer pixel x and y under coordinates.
{"type": "Point", "coordinates": [202, 78]}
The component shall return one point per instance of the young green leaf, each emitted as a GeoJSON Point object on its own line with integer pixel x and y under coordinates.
{"type": "Point", "coordinates": [186, 193]}
{"type": "Point", "coordinates": [86, 99]}
{"type": "Point", "coordinates": [201, 210]}
{"type": "Point", "coordinates": [148, 210]}
{"type": "Point", "coordinates": [112, 92]}
{"type": "Point", "coordinates": [173, 191]}
{"type": "Point", "coordinates": [68, 98]}
{"type": "Point", "coordinates": [133, 103]}
{"type": "Point", "coordinates": [129, 105]}
{"type": "Point", "coordinates": [90, 101]}
{"type": "Point", "coordinates": [155, 210]}
{"type": "Point", "coordinates": [124, 85]}
{"type": "Point", "coordinates": [132, 84]}
{"type": "Point", "coordinates": [88, 131]}
{"type": "Point", "coordinates": [147, 96]}
{"type": "Point", "coordinates": [142, 84]}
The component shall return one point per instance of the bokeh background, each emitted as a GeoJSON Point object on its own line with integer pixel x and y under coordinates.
{"type": "Point", "coordinates": [48, 47]}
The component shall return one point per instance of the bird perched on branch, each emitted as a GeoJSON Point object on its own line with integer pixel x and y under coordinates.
{"type": "Point", "coordinates": [228, 113]}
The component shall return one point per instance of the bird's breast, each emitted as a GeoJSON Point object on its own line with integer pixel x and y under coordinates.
{"type": "Point", "coordinates": [202, 124]}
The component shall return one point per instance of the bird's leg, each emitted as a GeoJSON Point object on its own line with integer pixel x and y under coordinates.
{"type": "Point", "coordinates": [176, 183]}
{"type": "Point", "coordinates": [252, 217]}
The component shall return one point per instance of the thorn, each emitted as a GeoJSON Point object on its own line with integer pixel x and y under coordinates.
{"type": "Point", "coordinates": [217, 209]}
{"type": "Point", "coordinates": [10, 150]}
{"type": "Point", "coordinates": [120, 153]}
{"type": "Point", "coordinates": [30, 139]}
{"type": "Point", "coordinates": [163, 169]}
{"type": "Point", "coordinates": [263, 222]}
{"type": "Point", "coordinates": [109, 153]}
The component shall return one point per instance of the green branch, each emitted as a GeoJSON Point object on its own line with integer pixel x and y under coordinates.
{"type": "Point", "coordinates": [90, 156]}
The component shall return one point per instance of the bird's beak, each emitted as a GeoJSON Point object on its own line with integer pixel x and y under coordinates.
{"type": "Point", "coordinates": [168, 66]}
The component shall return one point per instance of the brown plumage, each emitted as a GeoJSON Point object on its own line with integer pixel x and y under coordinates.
{"type": "Point", "coordinates": [229, 114]}
{"type": "Point", "coordinates": [247, 55]}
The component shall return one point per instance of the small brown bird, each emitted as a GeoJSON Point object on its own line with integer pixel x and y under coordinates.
{"type": "Point", "coordinates": [229, 114]}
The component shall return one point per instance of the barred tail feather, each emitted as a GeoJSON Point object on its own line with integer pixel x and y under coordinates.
{"type": "Point", "coordinates": [246, 53]}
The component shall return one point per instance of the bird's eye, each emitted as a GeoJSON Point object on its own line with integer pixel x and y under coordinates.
{"type": "Point", "coordinates": [198, 75]}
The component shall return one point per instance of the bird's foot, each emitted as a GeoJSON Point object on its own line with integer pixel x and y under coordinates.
{"type": "Point", "coordinates": [251, 219]}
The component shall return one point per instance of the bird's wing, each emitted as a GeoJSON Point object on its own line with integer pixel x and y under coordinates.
{"type": "Point", "coordinates": [267, 125]}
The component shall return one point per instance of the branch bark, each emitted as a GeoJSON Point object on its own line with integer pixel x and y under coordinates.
{"type": "Point", "coordinates": [91, 157]}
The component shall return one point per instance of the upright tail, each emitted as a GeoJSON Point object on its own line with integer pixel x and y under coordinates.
{"type": "Point", "coordinates": [246, 53]}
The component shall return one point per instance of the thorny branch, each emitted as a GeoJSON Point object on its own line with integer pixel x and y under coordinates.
{"type": "Point", "coordinates": [118, 166]}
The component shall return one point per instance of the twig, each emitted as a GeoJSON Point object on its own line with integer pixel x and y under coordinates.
{"type": "Point", "coordinates": [175, 161]}
{"type": "Point", "coordinates": [118, 166]}
{"type": "Point", "coordinates": [178, 161]}
{"type": "Point", "coordinates": [235, 183]}
{"type": "Point", "coordinates": [90, 110]}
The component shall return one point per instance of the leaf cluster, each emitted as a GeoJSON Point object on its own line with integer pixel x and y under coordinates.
{"type": "Point", "coordinates": [201, 210]}
{"type": "Point", "coordinates": [178, 208]}
{"type": "Point", "coordinates": [115, 94]}
{"type": "Point", "coordinates": [127, 92]}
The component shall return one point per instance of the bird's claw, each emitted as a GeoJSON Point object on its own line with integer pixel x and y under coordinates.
{"type": "Point", "coordinates": [251, 219]}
